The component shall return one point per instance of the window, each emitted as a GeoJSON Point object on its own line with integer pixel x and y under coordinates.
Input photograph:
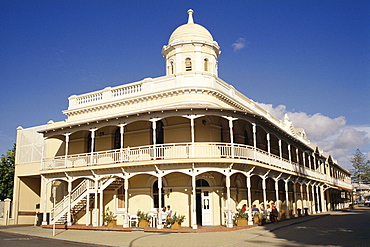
{"type": "Point", "coordinates": [188, 64]}
{"type": "Point", "coordinates": [171, 68]}
{"type": "Point", "coordinates": [205, 64]}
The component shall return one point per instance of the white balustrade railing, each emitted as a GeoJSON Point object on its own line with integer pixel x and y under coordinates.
{"type": "Point", "coordinates": [182, 151]}
{"type": "Point", "coordinates": [62, 206]}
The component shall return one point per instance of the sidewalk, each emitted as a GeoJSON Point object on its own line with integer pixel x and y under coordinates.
{"type": "Point", "coordinates": [165, 238]}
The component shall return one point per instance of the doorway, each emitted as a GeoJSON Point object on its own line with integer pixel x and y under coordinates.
{"type": "Point", "coordinates": [203, 203]}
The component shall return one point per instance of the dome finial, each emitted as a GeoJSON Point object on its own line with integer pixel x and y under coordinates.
{"type": "Point", "coordinates": [190, 18]}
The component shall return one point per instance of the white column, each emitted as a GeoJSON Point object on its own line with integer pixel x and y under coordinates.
{"type": "Point", "coordinates": [250, 220]}
{"type": "Point", "coordinates": [45, 195]}
{"type": "Point", "coordinates": [318, 199]}
{"type": "Point", "coordinates": [287, 198]}
{"type": "Point", "coordinates": [313, 199]}
{"type": "Point", "coordinates": [323, 201]}
{"type": "Point", "coordinates": [125, 223]}
{"type": "Point", "coordinates": [231, 119]}
{"type": "Point", "coordinates": [309, 206]}
{"type": "Point", "coordinates": [154, 128]}
{"type": "Point", "coordinates": [101, 207]}
{"type": "Point", "coordinates": [160, 203]}
{"type": "Point", "coordinates": [92, 146]}
{"type": "Point", "coordinates": [280, 150]}
{"type": "Point", "coordinates": [264, 192]}
{"type": "Point", "coordinates": [96, 211]}
{"type": "Point", "coordinates": [254, 140]}
{"type": "Point", "coordinates": [277, 194]}
{"type": "Point", "coordinates": [67, 147]}
{"type": "Point", "coordinates": [268, 148]}
{"type": "Point", "coordinates": [192, 117]}
{"type": "Point", "coordinates": [229, 223]}
{"type": "Point", "coordinates": [121, 131]}
{"type": "Point", "coordinates": [304, 159]}
{"type": "Point", "coordinates": [69, 223]}
{"type": "Point", "coordinates": [194, 201]}
{"type": "Point", "coordinates": [290, 154]}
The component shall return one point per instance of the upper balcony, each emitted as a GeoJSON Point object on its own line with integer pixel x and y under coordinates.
{"type": "Point", "coordinates": [186, 151]}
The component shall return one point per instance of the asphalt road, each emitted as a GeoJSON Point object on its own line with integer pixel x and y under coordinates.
{"type": "Point", "coordinates": [18, 240]}
{"type": "Point", "coordinates": [342, 228]}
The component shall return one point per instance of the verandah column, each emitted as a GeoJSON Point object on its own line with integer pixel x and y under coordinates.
{"type": "Point", "coordinates": [160, 225]}
{"type": "Point", "coordinates": [194, 201]}
{"type": "Point", "coordinates": [309, 205]}
{"type": "Point", "coordinates": [154, 130]}
{"type": "Point", "coordinates": [295, 199]}
{"type": "Point", "coordinates": [67, 147]}
{"type": "Point", "coordinates": [254, 140]}
{"type": "Point", "coordinates": [250, 221]}
{"type": "Point", "coordinates": [192, 117]}
{"type": "Point", "coordinates": [287, 198]}
{"type": "Point", "coordinates": [69, 223]}
{"type": "Point", "coordinates": [121, 132]}
{"type": "Point", "coordinates": [125, 222]}
{"type": "Point", "coordinates": [229, 223]}
{"type": "Point", "coordinates": [92, 146]}
{"type": "Point", "coordinates": [231, 119]}
{"type": "Point", "coordinates": [44, 183]}
{"type": "Point", "coordinates": [96, 211]}
{"type": "Point", "coordinates": [313, 198]}
{"type": "Point", "coordinates": [318, 199]}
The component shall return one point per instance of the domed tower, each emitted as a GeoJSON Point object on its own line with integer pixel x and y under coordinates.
{"type": "Point", "coordinates": [190, 49]}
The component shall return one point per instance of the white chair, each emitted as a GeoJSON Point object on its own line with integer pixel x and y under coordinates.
{"type": "Point", "coordinates": [133, 219]}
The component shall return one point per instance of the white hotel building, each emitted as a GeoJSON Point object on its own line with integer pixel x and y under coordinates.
{"type": "Point", "coordinates": [187, 139]}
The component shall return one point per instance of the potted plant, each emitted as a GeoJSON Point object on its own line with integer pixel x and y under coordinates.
{"type": "Point", "coordinates": [259, 218]}
{"type": "Point", "coordinates": [109, 218]}
{"type": "Point", "coordinates": [241, 218]}
{"type": "Point", "coordinates": [175, 221]}
{"type": "Point", "coordinates": [143, 219]}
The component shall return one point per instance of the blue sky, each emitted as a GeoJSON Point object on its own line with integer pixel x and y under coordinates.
{"type": "Point", "coordinates": [309, 59]}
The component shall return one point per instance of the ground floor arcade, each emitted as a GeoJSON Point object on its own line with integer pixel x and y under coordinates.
{"type": "Point", "coordinates": [207, 193]}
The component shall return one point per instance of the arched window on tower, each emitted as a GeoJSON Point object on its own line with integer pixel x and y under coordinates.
{"type": "Point", "coordinates": [206, 67]}
{"type": "Point", "coordinates": [188, 64]}
{"type": "Point", "coordinates": [172, 70]}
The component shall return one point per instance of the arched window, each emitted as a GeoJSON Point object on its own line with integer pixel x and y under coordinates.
{"type": "Point", "coordinates": [206, 64]}
{"type": "Point", "coordinates": [188, 64]}
{"type": "Point", "coordinates": [171, 68]}
{"type": "Point", "coordinates": [156, 195]}
{"type": "Point", "coordinates": [202, 183]}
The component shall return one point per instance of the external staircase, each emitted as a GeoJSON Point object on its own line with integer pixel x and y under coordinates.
{"type": "Point", "coordinates": [78, 198]}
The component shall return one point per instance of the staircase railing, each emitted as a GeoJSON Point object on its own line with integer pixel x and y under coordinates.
{"type": "Point", "coordinates": [77, 194]}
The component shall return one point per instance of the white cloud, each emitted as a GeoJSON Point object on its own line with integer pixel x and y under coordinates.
{"type": "Point", "coordinates": [331, 134]}
{"type": "Point", "coordinates": [239, 44]}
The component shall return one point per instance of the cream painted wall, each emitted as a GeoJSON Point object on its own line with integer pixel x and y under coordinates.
{"type": "Point", "coordinates": [28, 197]}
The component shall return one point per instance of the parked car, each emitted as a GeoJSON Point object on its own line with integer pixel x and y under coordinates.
{"type": "Point", "coordinates": [367, 203]}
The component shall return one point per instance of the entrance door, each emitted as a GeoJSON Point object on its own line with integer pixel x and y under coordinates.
{"type": "Point", "coordinates": [206, 208]}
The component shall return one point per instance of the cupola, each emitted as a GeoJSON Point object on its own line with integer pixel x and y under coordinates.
{"type": "Point", "coordinates": [191, 48]}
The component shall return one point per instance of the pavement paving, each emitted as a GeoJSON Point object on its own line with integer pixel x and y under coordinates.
{"type": "Point", "coordinates": [339, 228]}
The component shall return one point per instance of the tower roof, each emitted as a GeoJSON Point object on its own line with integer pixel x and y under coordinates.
{"type": "Point", "coordinates": [190, 31]}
